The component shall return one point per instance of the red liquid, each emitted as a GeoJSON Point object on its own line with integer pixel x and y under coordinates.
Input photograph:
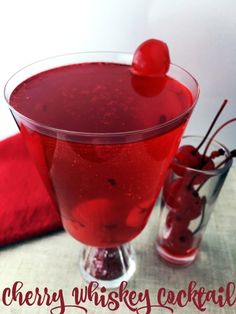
{"type": "Point", "coordinates": [173, 256]}
{"type": "Point", "coordinates": [105, 191]}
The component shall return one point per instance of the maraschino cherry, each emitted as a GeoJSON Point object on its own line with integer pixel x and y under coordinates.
{"type": "Point", "coordinates": [189, 156]}
{"type": "Point", "coordinates": [179, 241]}
{"type": "Point", "coordinates": [176, 221]}
{"type": "Point", "coordinates": [151, 59]}
{"type": "Point", "coordinates": [181, 198]}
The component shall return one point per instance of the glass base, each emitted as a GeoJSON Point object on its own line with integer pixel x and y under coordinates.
{"type": "Point", "coordinates": [181, 260]}
{"type": "Point", "coordinates": [108, 266]}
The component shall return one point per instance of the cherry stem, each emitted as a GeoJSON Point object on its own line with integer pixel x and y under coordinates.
{"type": "Point", "coordinates": [196, 175]}
{"type": "Point", "coordinates": [217, 153]}
{"type": "Point", "coordinates": [216, 132]}
{"type": "Point", "coordinates": [211, 126]}
{"type": "Point", "coordinates": [232, 155]}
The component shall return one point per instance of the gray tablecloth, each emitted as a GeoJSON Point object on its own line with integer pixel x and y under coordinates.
{"type": "Point", "coordinates": [53, 262]}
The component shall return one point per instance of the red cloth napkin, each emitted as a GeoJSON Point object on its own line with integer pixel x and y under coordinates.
{"type": "Point", "coordinates": [25, 208]}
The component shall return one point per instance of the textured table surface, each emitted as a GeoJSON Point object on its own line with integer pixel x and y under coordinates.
{"type": "Point", "coordinates": [52, 262]}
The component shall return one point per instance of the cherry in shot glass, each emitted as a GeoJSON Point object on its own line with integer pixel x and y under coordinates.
{"type": "Point", "coordinates": [188, 199]}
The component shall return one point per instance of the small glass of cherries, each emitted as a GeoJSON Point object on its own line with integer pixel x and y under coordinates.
{"type": "Point", "coordinates": [191, 188]}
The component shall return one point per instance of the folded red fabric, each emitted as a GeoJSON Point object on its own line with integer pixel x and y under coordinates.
{"type": "Point", "coordinates": [26, 210]}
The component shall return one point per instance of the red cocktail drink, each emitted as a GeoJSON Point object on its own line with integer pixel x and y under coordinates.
{"type": "Point", "coordinates": [102, 139]}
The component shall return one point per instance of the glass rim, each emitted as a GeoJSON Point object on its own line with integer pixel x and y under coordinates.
{"type": "Point", "coordinates": [162, 126]}
{"type": "Point", "coordinates": [209, 173]}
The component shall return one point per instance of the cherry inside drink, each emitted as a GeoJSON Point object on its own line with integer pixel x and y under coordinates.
{"type": "Point", "coordinates": [105, 179]}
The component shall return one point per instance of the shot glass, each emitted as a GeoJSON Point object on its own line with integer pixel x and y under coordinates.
{"type": "Point", "coordinates": [187, 201]}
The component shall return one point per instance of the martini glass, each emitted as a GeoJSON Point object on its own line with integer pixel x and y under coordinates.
{"type": "Point", "coordinates": [102, 140]}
